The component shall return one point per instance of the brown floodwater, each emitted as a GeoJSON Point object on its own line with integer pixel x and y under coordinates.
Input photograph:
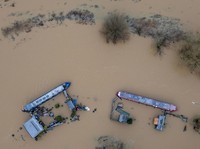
{"type": "Point", "coordinates": [45, 57]}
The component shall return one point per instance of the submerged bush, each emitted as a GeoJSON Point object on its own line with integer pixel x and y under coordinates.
{"type": "Point", "coordinates": [73, 113]}
{"type": "Point", "coordinates": [17, 27]}
{"type": "Point", "coordinates": [163, 30]}
{"type": "Point", "coordinates": [196, 124]}
{"type": "Point", "coordinates": [190, 52]}
{"type": "Point", "coordinates": [57, 105]}
{"type": "Point", "coordinates": [116, 28]}
{"type": "Point", "coordinates": [109, 142]}
{"type": "Point", "coordinates": [59, 118]}
{"type": "Point", "coordinates": [160, 43]}
{"type": "Point", "coordinates": [130, 121]}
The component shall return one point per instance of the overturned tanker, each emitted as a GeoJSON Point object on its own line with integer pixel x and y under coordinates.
{"type": "Point", "coordinates": [47, 96]}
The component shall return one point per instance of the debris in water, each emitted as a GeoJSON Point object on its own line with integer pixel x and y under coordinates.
{"type": "Point", "coordinates": [22, 137]}
{"type": "Point", "coordinates": [95, 109]}
{"type": "Point", "coordinates": [185, 128]}
{"type": "Point", "coordinates": [195, 103]}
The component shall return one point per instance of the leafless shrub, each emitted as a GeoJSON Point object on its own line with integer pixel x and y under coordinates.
{"type": "Point", "coordinates": [116, 28]}
{"type": "Point", "coordinates": [81, 16]}
{"type": "Point", "coordinates": [160, 42]}
{"type": "Point", "coordinates": [163, 30]}
{"type": "Point", "coordinates": [107, 142]}
{"type": "Point", "coordinates": [196, 124]}
{"type": "Point", "coordinates": [23, 26]}
{"type": "Point", "coordinates": [17, 27]}
{"type": "Point", "coordinates": [190, 52]}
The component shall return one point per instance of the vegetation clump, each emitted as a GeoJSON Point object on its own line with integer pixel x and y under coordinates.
{"type": "Point", "coordinates": [59, 118]}
{"type": "Point", "coordinates": [57, 105]}
{"type": "Point", "coordinates": [116, 28]}
{"type": "Point", "coordinates": [108, 142]}
{"type": "Point", "coordinates": [196, 124]}
{"type": "Point", "coordinates": [130, 121]}
{"type": "Point", "coordinates": [23, 26]}
{"type": "Point", "coordinates": [80, 16]}
{"type": "Point", "coordinates": [162, 29]}
{"type": "Point", "coordinates": [73, 113]}
{"type": "Point", "coordinates": [190, 52]}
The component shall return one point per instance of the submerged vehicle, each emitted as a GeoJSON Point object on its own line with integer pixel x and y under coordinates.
{"type": "Point", "coordinates": [159, 122]}
{"type": "Point", "coordinates": [47, 96]}
{"type": "Point", "coordinates": [147, 101]}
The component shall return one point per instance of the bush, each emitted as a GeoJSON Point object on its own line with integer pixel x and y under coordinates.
{"type": "Point", "coordinates": [116, 28]}
{"type": "Point", "coordinates": [190, 53]}
{"type": "Point", "coordinates": [163, 30]}
{"type": "Point", "coordinates": [196, 124]}
{"type": "Point", "coordinates": [130, 121]}
{"type": "Point", "coordinates": [160, 43]}
{"type": "Point", "coordinates": [73, 113]}
{"type": "Point", "coordinates": [59, 118]}
{"type": "Point", "coordinates": [57, 105]}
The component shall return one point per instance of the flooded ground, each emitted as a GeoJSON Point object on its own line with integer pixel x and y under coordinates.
{"type": "Point", "coordinates": [40, 60]}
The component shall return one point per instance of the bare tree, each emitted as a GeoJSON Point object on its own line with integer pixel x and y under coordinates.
{"type": "Point", "coordinates": [115, 28]}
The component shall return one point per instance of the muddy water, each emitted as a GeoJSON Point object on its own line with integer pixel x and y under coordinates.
{"type": "Point", "coordinates": [45, 58]}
